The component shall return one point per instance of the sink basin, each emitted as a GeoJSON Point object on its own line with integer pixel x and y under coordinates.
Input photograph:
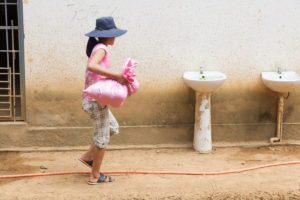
{"type": "Point", "coordinates": [204, 84]}
{"type": "Point", "coordinates": [282, 83]}
{"type": "Point", "coordinates": [207, 82]}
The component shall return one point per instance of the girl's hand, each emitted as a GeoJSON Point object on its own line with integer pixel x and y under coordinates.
{"type": "Point", "coordinates": [122, 80]}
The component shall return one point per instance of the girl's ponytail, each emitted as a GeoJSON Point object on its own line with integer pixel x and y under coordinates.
{"type": "Point", "coordinates": [90, 45]}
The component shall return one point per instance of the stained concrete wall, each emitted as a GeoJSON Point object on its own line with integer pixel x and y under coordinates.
{"type": "Point", "coordinates": [238, 38]}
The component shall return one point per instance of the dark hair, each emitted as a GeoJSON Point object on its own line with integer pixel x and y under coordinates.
{"type": "Point", "coordinates": [91, 43]}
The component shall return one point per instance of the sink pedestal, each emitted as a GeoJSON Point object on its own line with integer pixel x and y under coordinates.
{"type": "Point", "coordinates": [202, 130]}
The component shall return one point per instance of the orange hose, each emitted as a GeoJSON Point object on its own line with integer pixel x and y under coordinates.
{"type": "Point", "coordinates": [155, 172]}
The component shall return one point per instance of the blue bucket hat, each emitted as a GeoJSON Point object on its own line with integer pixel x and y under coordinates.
{"type": "Point", "coordinates": [106, 28]}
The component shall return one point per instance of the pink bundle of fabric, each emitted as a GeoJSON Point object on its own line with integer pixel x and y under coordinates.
{"type": "Point", "coordinates": [128, 69]}
{"type": "Point", "coordinates": [111, 92]}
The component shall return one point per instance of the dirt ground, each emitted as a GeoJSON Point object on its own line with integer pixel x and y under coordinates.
{"type": "Point", "coordinates": [281, 182]}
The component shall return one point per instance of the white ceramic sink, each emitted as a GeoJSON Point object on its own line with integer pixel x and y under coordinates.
{"type": "Point", "coordinates": [207, 82]}
{"type": "Point", "coordinates": [282, 83]}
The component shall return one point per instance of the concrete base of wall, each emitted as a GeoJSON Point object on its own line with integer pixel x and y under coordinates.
{"type": "Point", "coordinates": [20, 135]}
{"type": "Point", "coordinates": [112, 147]}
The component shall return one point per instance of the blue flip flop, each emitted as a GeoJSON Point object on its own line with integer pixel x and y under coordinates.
{"type": "Point", "coordinates": [87, 163]}
{"type": "Point", "coordinates": [102, 179]}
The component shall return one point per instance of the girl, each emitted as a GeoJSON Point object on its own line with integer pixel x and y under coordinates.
{"type": "Point", "coordinates": [105, 124]}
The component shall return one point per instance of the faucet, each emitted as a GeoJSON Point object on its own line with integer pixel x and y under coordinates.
{"type": "Point", "coordinates": [279, 70]}
{"type": "Point", "coordinates": [201, 70]}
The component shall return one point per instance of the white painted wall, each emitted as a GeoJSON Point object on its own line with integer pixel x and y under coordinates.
{"type": "Point", "coordinates": [167, 37]}
{"type": "Point", "coordinates": [240, 38]}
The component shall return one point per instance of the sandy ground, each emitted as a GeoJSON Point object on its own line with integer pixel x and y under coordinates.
{"type": "Point", "coordinates": [281, 182]}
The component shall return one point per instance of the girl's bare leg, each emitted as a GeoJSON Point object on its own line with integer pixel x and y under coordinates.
{"type": "Point", "coordinates": [88, 156]}
{"type": "Point", "coordinates": [98, 154]}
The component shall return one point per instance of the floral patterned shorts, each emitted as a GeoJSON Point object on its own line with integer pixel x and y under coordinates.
{"type": "Point", "coordinates": [104, 122]}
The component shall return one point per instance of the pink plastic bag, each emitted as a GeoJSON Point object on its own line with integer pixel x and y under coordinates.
{"type": "Point", "coordinates": [108, 92]}
{"type": "Point", "coordinates": [133, 87]}
{"type": "Point", "coordinates": [111, 92]}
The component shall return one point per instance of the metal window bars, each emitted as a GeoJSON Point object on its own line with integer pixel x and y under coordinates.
{"type": "Point", "coordinates": [6, 108]}
{"type": "Point", "coordinates": [10, 91]}
{"type": "Point", "coordinates": [12, 88]}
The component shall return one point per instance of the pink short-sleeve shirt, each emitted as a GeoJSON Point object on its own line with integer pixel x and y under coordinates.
{"type": "Point", "coordinates": [91, 77]}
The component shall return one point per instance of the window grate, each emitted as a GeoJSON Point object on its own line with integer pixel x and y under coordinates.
{"type": "Point", "coordinates": [5, 108]}
{"type": "Point", "coordinates": [12, 79]}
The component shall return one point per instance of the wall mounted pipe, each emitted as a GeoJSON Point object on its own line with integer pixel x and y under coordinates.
{"type": "Point", "coordinates": [278, 137]}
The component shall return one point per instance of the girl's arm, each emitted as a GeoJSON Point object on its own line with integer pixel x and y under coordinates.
{"type": "Point", "coordinates": [93, 66]}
